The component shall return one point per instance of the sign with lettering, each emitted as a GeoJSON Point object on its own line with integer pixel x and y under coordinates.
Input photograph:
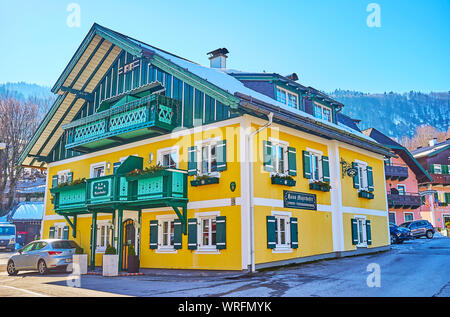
{"type": "Point", "coordinates": [299, 200]}
{"type": "Point", "coordinates": [100, 188]}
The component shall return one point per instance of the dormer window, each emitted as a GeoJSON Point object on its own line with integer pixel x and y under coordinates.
{"type": "Point", "coordinates": [287, 98]}
{"type": "Point", "coordinates": [323, 112]}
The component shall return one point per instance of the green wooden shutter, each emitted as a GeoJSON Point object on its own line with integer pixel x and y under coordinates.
{"type": "Point", "coordinates": [356, 177]}
{"type": "Point", "coordinates": [271, 235]}
{"type": "Point", "coordinates": [306, 165]}
{"type": "Point", "coordinates": [370, 179]}
{"type": "Point", "coordinates": [51, 234]}
{"type": "Point", "coordinates": [268, 156]}
{"type": "Point", "coordinates": [292, 161]}
{"type": "Point", "coordinates": [66, 232]}
{"type": "Point", "coordinates": [294, 232]}
{"type": "Point", "coordinates": [177, 234]}
{"type": "Point", "coordinates": [447, 198]}
{"type": "Point", "coordinates": [221, 150]}
{"type": "Point", "coordinates": [69, 177]}
{"type": "Point", "coordinates": [326, 169]}
{"type": "Point", "coordinates": [192, 233]}
{"type": "Point", "coordinates": [153, 234]}
{"type": "Point", "coordinates": [54, 181]}
{"type": "Point", "coordinates": [192, 160]}
{"type": "Point", "coordinates": [354, 232]}
{"type": "Point", "coordinates": [445, 169]}
{"type": "Point", "coordinates": [369, 232]}
{"type": "Point", "coordinates": [221, 232]}
{"type": "Point", "coordinates": [432, 168]}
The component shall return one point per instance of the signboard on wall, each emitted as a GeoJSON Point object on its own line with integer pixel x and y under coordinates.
{"type": "Point", "coordinates": [299, 200]}
{"type": "Point", "coordinates": [100, 188]}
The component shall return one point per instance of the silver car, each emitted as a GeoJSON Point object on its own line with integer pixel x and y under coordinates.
{"type": "Point", "coordinates": [42, 255]}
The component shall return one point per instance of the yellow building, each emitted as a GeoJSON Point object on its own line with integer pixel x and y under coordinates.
{"type": "Point", "coordinates": [203, 167]}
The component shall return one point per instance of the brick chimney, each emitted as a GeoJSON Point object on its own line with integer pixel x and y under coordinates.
{"type": "Point", "coordinates": [218, 58]}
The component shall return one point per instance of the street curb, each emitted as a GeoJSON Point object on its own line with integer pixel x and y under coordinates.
{"type": "Point", "coordinates": [120, 274]}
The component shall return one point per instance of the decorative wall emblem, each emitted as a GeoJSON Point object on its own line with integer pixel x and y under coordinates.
{"type": "Point", "coordinates": [348, 169]}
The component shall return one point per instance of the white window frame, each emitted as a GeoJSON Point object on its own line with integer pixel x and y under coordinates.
{"type": "Point", "coordinates": [165, 248]}
{"type": "Point", "coordinates": [107, 224]}
{"type": "Point", "coordinates": [63, 176]}
{"type": "Point", "coordinates": [59, 226]}
{"type": "Point", "coordinates": [319, 155]}
{"type": "Point", "coordinates": [437, 168]}
{"type": "Point", "coordinates": [322, 108]}
{"type": "Point", "coordinates": [362, 171]}
{"type": "Point", "coordinates": [95, 166]}
{"type": "Point", "coordinates": [362, 227]}
{"type": "Point", "coordinates": [282, 248]}
{"type": "Point", "coordinates": [285, 145]}
{"type": "Point", "coordinates": [200, 217]}
{"type": "Point", "coordinates": [395, 217]}
{"type": "Point", "coordinates": [404, 189]}
{"type": "Point", "coordinates": [286, 94]}
{"type": "Point", "coordinates": [409, 213]}
{"type": "Point", "coordinates": [169, 150]}
{"type": "Point", "coordinates": [200, 144]}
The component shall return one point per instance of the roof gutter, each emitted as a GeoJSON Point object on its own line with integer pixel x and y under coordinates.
{"type": "Point", "coordinates": [310, 125]}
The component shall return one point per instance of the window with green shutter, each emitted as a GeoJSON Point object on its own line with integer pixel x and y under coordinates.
{"type": "Point", "coordinates": [307, 165]}
{"type": "Point", "coordinates": [54, 181]}
{"type": "Point", "coordinates": [51, 234]}
{"type": "Point", "coordinates": [354, 231]}
{"type": "Point", "coordinates": [271, 234]}
{"type": "Point", "coordinates": [370, 186]}
{"type": "Point", "coordinates": [268, 156]}
{"type": "Point", "coordinates": [192, 160]}
{"type": "Point", "coordinates": [356, 176]}
{"type": "Point", "coordinates": [294, 232]}
{"type": "Point", "coordinates": [192, 233]}
{"type": "Point", "coordinates": [432, 168]}
{"type": "Point", "coordinates": [177, 234]}
{"type": "Point", "coordinates": [292, 161]}
{"type": "Point", "coordinates": [221, 232]}
{"type": "Point", "coordinates": [369, 232]}
{"type": "Point", "coordinates": [445, 169]}
{"type": "Point", "coordinates": [325, 169]}
{"type": "Point", "coordinates": [69, 177]}
{"type": "Point", "coordinates": [221, 149]}
{"type": "Point", "coordinates": [66, 232]}
{"type": "Point", "coordinates": [153, 234]}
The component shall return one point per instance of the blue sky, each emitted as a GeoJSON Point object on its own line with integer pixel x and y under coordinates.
{"type": "Point", "coordinates": [327, 43]}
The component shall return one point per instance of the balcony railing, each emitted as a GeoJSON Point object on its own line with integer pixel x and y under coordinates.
{"type": "Point", "coordinates": [441, 179]}
{"type": "Point", "coordinates": [151, 115]}
{"type": "Point", "coordinates": [121, 191]}
{"type": "Point", "coordinates": [396, 172]}
{"type": "Point", "coordinates": [406, 201]}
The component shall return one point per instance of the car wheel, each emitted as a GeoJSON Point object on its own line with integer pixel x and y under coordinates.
{"type": "Point", "coordinates": [11, 268]}
{"type": "Point", "coordinates": [429, 234]}
{"type": "Point", "coordinates": [42, 267]}
{"type": "Point", "coordinates": [393, 239]}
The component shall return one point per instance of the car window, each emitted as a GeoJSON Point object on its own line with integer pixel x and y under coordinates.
{"type": "Point", "coordinates": [29, 247]}
{"type": "Point", "coordinates": [40, 245]}
{"type": "Point", "coordinates": [405, 224]}
{"type": "Point", "coordinates": [65, 244]}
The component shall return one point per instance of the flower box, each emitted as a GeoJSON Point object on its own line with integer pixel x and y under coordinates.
{"type": "Point", "coordinates": [283, 181]}
{"type": "Point", "coordinates": [205, 181]}
{"type": "Point", "coordinates": [321, 187]}
{"type": "Point", "coordinates": [367, 195]}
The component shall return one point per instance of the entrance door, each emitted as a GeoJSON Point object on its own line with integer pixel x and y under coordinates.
{"type": "Point", "coordinates": [129, 238]}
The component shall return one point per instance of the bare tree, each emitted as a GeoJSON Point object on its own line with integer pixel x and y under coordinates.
{"type": "Point", "coordinates": [18, 121]}
{"type": "Point", "coordinates": [423, 135]}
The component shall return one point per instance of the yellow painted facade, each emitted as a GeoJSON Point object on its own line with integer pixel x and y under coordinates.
{"type": "Point", "coordinates": [315, 227]}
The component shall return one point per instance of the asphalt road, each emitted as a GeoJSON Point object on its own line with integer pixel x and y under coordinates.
{"type": "Point", "coordinates": [415, 268]}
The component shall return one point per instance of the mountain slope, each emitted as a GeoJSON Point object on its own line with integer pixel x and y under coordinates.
{"type": "Point", "coordinates": [394, 114]}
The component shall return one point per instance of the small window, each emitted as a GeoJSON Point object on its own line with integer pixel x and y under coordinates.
{"type": "Point", "coordinates": [437, 168]}
{"type": "Point", "coordinates": [316, 166]}
{"type": "Point", "coordinates": [104, 236]}
{"type": "Point", "coordinates": [287, 98]}
{"type": "Point", "coordinates": [362, 233]}
{"type": "Point", "coordinates": [280, 157]}
{"type": "Point", "coordinates": [401, 189]}
{"type": "Point", "coordinates": [167, 233]}
{"type": "Point", "coordinates": [168, 157]}
{"type": "Point", "coordinates": [97, 170]}
{"type": "Point", "coordinates": [362, 175]}
{"type": "Point", "coordinates": [208, 232]}
{"type": "Point", "coordinates": [208, 158]}
{"type": "Point", "coordinates": [392, 217]}
{"type": "Point", "coordinates": [282, 232]}
{"type": "Point", "coordinates": [409, 216]}
{"type": "Point", "coordinates": [63, 176]}
{"type": "Point", "coordinates": [323, 112]}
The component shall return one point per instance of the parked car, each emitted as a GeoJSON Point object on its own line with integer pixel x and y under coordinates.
{"type": "Point", "coordinates": [42, 255]}
{"type": "Point", "coordinates": [419, 228]}
{"type": "Point", "coordinates": [399, 234]}
{"type": "Point", "coordinates": [7, 236]}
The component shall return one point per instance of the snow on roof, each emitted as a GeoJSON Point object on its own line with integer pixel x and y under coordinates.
{"type": "Point", "coordinates": [28, 211]}
{"type": "Point", "coordinates": [421, 152]}
{"type": "Point", "coordinates": [232, 85]}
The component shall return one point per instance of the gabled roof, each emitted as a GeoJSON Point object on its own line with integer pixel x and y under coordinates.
{"type": "Point", "coordinates": [400, 150]}
{"type": "Point", "coordinates": [93, 59]}
{"type": "Point", "coordinates": [431, 150]}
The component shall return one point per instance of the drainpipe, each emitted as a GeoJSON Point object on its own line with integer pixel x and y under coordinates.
{"type": "Point", "coordinates": [252, 207]}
